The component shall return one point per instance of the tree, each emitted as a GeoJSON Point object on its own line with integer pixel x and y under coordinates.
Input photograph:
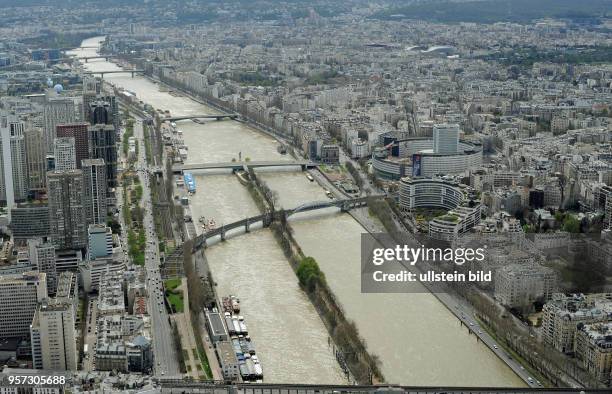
{"type": "Point", "coordinates": [571, 224]}
{"type": "Point", "coordinates": [114, 225]}
{"type": "Point", "coordinates": [309, 274]}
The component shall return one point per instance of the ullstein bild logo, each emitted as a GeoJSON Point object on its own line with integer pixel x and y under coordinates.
{"type": "Point", "coordinates": [416, 268]}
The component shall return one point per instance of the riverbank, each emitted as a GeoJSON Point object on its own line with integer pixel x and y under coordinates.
{"type": "Point", "coordinates": [360, 366]}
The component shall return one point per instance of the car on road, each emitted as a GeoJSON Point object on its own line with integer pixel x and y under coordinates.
{"type": "Point", "coordinates": [495, 347]}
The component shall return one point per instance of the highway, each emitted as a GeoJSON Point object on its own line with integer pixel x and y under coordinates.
{"type": "Point", "coordinates": [166, 360]}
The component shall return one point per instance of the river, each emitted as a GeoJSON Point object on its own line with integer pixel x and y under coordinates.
{"type": "Point", "coordinates": [418, 341]}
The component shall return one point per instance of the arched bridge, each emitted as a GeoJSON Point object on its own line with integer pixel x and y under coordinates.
{"type": "Point", "coordinates": [269, 217]}
{"type": "Point", "coordinates": [217, 117]}
{"type": "Point", "coordinates": [101, 73]}
{"type": "Point", "coordinates": [240, 165]}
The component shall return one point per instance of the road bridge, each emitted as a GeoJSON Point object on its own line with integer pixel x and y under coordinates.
{"type": "Point", "coordinates": [101, 73]}
{"type": "Point", "coordinates": [240, 165]}
{"type": "Point", "coordinates": [87, 58]}
{"type": "Point", "coordinates": [217, 117]}
{"type": "Point", "coordinates": [268, 218]}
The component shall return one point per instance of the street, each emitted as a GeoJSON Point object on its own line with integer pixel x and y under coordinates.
{"type": "Point", "coordinates": [166, 359]}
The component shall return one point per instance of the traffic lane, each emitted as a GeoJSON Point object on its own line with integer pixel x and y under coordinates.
{"type": "Point", "coordinates": [488, 340]}
{"type": "Point", "coordinates": [161, 328]}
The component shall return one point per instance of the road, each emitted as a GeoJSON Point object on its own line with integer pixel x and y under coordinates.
{"type": "Point", "coordinates": [166, 359]}
{"type": "Point", "coordinates": [90, 334]}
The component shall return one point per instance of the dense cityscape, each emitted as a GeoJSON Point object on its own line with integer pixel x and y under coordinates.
{"type": "Point", "coordinates": [264, 196]}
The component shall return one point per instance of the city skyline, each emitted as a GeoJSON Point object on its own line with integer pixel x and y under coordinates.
{"type": "Point", "coordinates": [192, 192]}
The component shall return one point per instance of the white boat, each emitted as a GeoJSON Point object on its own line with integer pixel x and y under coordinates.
{"type": "Point", "coordinates": [236, 325]}
{"type": "Point", "coordinates": [243, 326]}
{"type": "Point", "coordinates": [257, 366]}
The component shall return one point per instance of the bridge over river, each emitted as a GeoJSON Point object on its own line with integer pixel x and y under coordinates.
{"type": "Point", "coordinates": [126, 71]}
{"type": "Point", "coordinates": [205, 116]}
{"type": "Point", "coordinates": [267, 218]}
{"type": "Point", "coordinates": [242, 165]}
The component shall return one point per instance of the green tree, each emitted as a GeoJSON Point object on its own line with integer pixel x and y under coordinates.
{"type": "Point", "coordinates": [309, 274]}
{"type": "Point", "coordinates": [571, 224]}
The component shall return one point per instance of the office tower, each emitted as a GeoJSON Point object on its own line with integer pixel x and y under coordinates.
{"type": "Point", "coordinates": [13, 182]}
{"type": "Point", "coordinates": [100, 241]}
{"type": "Point", "coordinates": [19, 297]}
{"type": "Point", "coordinates": [57, 110]}
{"type": "Point", "coordinates": [94, 190]}
{"type": "Point", "coordinates": [100, 112]}
{"type": "Point", "coordinates": [91, 89]}
{"type": "Point", "coordinates": [53, 336]}
{"type": "Point", "coordinates": [104, 110]}
{"type": "Point", "coordinates": [29, 221]}
{"type": "Point", "coordinates": [36, 163]}
{"type": "Point", "coordinates": [102, 140]}
{"type": "Point", "coordinates": [42, 256]}
{"type": "Point", "coordinates": [81, 142]}
{"type": "Point", "coordinates": [114, 111]}
{"type": "Point", "coordinates": [446, 138]}
{"type": "Point", "coordinates": [64, 153]}
{"type": "Point", "coordinates": [67, 223]}
{"type": "Point", "coordinates": [91, 84]}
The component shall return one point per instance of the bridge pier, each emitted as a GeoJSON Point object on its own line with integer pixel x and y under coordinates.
{"type": "Point", "coordinates": [222, 233]}
{"type": "Point", "coordinates": [267, 220]}
{"type": "Point", "coordinates": [247, 226]}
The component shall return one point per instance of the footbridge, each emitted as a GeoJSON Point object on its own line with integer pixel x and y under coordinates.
{"type": "Point", "coordinates": [269, 217]}
{"type": "Point", "coordinates": [217, 117]}
{"type": "Point", "coordinates": [101, 73]}
{"type": "Point", "coordinates": [241, 165]}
